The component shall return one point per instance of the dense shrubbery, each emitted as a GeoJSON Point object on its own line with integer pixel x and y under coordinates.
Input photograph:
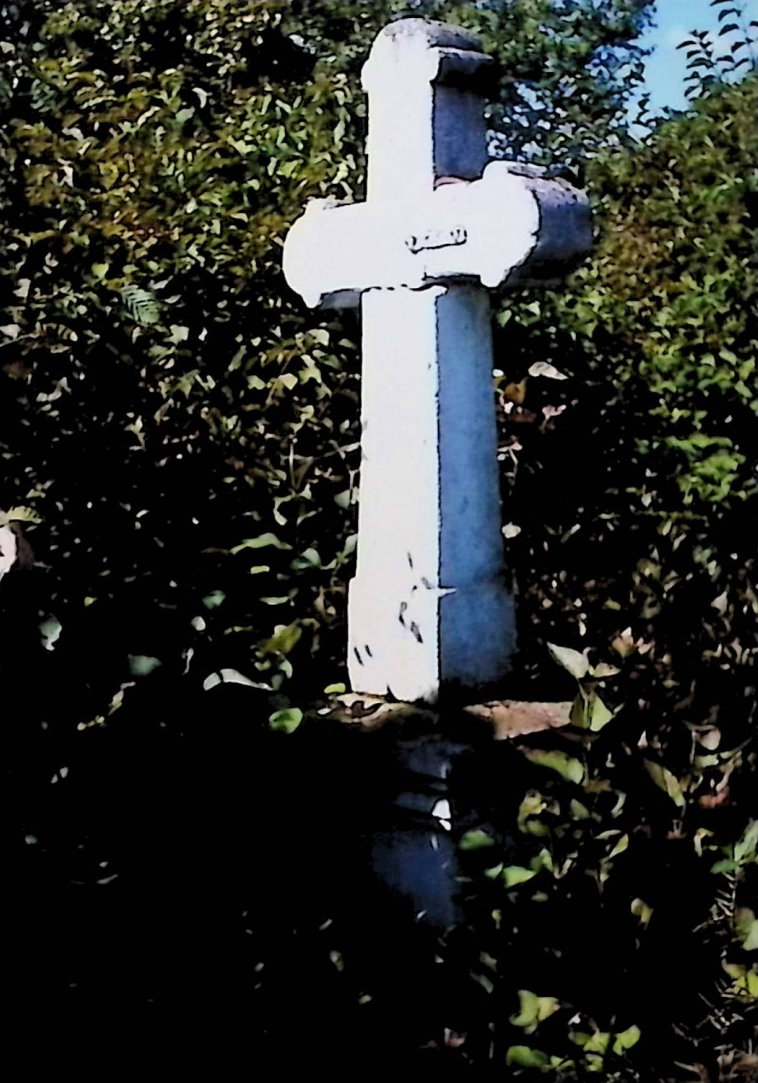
{"type": "Point", "coordinates": [179, 443]}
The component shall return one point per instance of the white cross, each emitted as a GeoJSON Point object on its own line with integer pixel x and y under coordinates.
{"type": "Point", "coordinates": [428, 608]}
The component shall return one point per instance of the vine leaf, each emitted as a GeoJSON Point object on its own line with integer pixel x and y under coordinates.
{"type": "Point", "coordinates": [140, 305]}
{"type": "Point", "coordinates": [577, 664]}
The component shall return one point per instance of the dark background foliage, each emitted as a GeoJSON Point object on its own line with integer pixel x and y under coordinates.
{"type": "Point", "coordinates": [180, 460]}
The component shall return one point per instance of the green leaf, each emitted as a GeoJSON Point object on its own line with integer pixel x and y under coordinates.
{"type": "Point", "coordinates": [599, 714]}
{"type": "Point", "coordinates": [141, 306]}
{"type": "Point", "coordinates": [232, 676]}
{"type": "Point", "coordinates": [576, 664]}
{"type": "Point", "coordinates": [214, 599]}
{"type": "Point", "coordinates": [486, 983]}
{"type": "Point", "coordinates": [261, 542]}
{"type": "Point", "coordinates": [476, 839]}
{"type": "Point", "coordinates": [745, 849]}
{"type": "Point", "coordinates": [533, 1010]}
{"type": "Point", "coordinates": [309, 558]}
{"type": "Point", "coordinates": [641, 910]}
{"type": "Point", "coordinates": [746, 927]}
{"type": "Point", "coordinates": [20, 515]}
{"type": "Point", "coordinates": [51, 629]}
{"type": "Point", "coordinates": [725, 865]}
{"type": "Point", "coordinates": [335, 689]}
{"type": "Point", "coordinates": [620, 847]}
{"type": "Point", "coordinates": [581, 710]}
{"type": "Point", "coordinates": [179, 334]}
{"type": "Point", "coordinates": [603, 669]}
{"type": "Point", "coordinates": [597, 1042]}
{"type": "Point", "coordinates": [566, 766]}
{"type": "Point", "coordinates": [287, 379]}
{"type": "Point", "coordinates": [745, 980]}
{"type": "Point", "coordinates": [526, 1057]}
{"type": "Point", "coordinates": [140, 665]}
{"type": "Point", "coordinates": [283, 640]}
{"type": "Point", "coordinates": [517, 874]}
{"type": "Point", "coordinates": [626, 1039]}
{"type": "Point", "coordinates": [665, 781]}
{"type": "Point", "coordinates": [286, 720]}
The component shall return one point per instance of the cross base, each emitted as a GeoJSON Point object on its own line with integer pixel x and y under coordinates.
{"type": "Point", "coordinates": [416, 643]}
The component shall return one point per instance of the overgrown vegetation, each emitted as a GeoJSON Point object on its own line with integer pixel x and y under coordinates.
{"type": "Point", "coordinates": [180, 451]}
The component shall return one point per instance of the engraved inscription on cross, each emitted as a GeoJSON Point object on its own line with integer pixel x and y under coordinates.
{"type": "Point", "coordinates": [428, 608]}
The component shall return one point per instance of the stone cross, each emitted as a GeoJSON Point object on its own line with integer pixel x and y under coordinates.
{"type": "Point", "coordinates": [428, 608]}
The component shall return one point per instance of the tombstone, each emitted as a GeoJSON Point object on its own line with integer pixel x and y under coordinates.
{"type": "Point", "coordinates": [428, 609]}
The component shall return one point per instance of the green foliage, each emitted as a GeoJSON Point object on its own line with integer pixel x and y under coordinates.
{"type": "Point", "coordinates": [640, 537]}
{"type": "Point", "coordinates": [668, 302]}
{"type": "Point", "coordinates": [585, 865]}
{"type": "Point", "coordinates": [736, 38]}
{"type": "Point", "coordinates": [635, 497]}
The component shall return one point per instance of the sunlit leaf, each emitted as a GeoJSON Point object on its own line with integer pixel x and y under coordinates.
{"type": "Point", "coordinates": [567, 767]}
{"type": "Point", "coordinates": [284, 639]}
{"type": "Point", "coordinates": [141, 665]}
{"type": "Point", "coordinates": [309, 558]}
{"type": "Point", "coordinates": [641, 910]}
{"type": "Point", "coordinates": [602, 669]}
{"type": "Point", "coordinates": [517, 874]}
{"type": "Point", "coordinates": [746, 927]}
{"type": "Point", "coordinates": [214, 599]}
{"type": "Point", "coordinates": [666, 781]}
{"type": "Point", "coordinates": [50, 630]}
{"type": "Point", "coordinates": [286, 720]}
{"type": "Point", "coordinates": [476, 839]}
{"type": "Point", "coordinates": [526, 1057]}
{"type": "Point", "coordinates": [261, 542]}
{"type": "Point", "coordinates": [600, 715]}
{"type": "Point", "coordinates": [140, 304]}
{"type": "Point", "coordinates": [577, 664]}
{"type": "Point", "coordinates": [20, 515]}
{"type": "Point", "coordinates": [533, 1010]}
{"type": "Point", "coordinates": [745, 980]}
{"type": "Point", "coordinates": [745, 848]}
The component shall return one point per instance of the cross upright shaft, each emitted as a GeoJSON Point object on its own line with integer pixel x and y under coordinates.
{"type": "Point", "coordinates": [429, 517]}
{"type": "Point", "coordinates": [428, 608]}
{"type": "Point", "coordinates": [426, 119]}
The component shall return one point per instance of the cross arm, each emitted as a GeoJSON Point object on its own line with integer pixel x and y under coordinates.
{"type": "Point", "coordinates": [514, 227]}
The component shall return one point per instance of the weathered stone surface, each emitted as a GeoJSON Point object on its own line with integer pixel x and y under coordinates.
{"type": "Point", "coordinates": [511, 718]}
{"type": "Point", "coordinates": [428, 608]}
{"type": "Point", "coordinates": [8, 549]}
{"type": "Point", "coordinates": [508, 228]}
